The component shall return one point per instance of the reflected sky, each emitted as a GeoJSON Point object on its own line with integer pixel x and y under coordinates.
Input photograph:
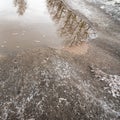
{"type": "Point", "coordinates": [33, 29]}
{"type": "Point", "coordinates": [36, 10]}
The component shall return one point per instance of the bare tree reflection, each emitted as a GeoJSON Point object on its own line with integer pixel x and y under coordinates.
{"type": "Point", "coordinates": [21, 5]}
{"type": "Point", "coordinates": [73, 28]}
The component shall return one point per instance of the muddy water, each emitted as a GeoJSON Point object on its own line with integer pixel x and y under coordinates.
{"type": "Point", "coordinates": [25, 25]}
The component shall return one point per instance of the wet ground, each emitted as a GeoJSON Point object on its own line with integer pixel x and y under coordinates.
{"type": "Point", "coordinates": [51, 69]}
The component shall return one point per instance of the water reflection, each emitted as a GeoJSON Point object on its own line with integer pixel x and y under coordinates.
{"type": "Point", "coordinates": [21, 5]}
{"type": "Point", "coordinates": [73, 28]}
{"type": "Point", "coordinates": [34, 29]}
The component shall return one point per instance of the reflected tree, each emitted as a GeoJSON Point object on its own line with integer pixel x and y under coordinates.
{"type": "Point", "coordinates": [56, 9]}
{"type": "Point", "coordinates": [72, 27]}
{"type": "Point", "coordinates": [21, 5]}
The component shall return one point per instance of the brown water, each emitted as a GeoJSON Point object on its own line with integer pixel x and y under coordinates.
{"type": "Point", "coordinates": [51, 23]}
{"type": "Point", "coordinates": [26, 25]}
{"type": "Point", "coordinates": [31, 24]}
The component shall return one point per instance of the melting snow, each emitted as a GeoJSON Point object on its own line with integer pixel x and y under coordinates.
{"type": "Point", "coordinates": [113, 81]}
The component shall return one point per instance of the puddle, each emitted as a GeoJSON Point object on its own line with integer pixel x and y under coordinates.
{"type": "Point", "coordinates": [31, 24]}
{"type": "Point", "coordinates": [26, 25]}
{"type": "Point", "coordinates": [73, 28]}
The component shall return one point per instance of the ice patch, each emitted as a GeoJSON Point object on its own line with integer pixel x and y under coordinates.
{"type": "Point", "coordinates": [114, 83]}
{"type": "Point", "coordinates": [112, 7]}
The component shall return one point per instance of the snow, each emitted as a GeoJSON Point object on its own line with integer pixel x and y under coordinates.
{"type": "Point", "coordinates": [106, 2]}
{"type": "Point", "coordinates": [52, 81]}
{"type": "Point", "coordinates": [111, 7]}
{"type": "Point", "coordinates": [90, 12]}
{"type": "Point", "coordinates": [65, 72]}
{"type": "Point", "coordinates": [113, 82]}
{"type": "Point", "coordinates": [93, 14]}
